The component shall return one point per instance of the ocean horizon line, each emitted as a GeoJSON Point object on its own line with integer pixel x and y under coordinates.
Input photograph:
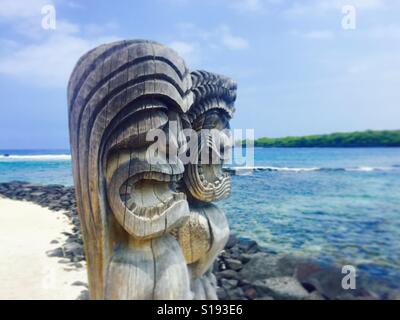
{"type": "Point", "coordinates": [234, 170]}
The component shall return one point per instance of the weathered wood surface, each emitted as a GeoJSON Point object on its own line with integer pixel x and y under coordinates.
{"type": "Point", "coordinates": [145, 239]}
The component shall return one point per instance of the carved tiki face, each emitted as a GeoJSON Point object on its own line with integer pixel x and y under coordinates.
{"type": "Point", "coordinates": [117, 93]}
{"type": "Point", "coordinates": [204, 235]}
{"type": "Point", "coordinates": [209, 116]}
{"type": "Point", "coordinates": [141, 191]}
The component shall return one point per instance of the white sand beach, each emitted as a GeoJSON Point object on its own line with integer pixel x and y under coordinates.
{"type": "Point", "coordinates": [26, 272]}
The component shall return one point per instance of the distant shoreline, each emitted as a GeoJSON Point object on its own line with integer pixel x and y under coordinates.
{"type": "Point", "coordinates": [327, 147]}
{"type": "Point", "coordinates": [359, 139]}
{"type": "Point", "coordinates": [345, 140]}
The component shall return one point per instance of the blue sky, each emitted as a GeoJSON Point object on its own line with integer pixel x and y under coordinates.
{"type": "Point", "coordinates": [299, 72]}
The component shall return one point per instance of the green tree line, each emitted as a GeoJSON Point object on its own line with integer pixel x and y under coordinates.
{"type": "Point", "coordinates": [369, 138]}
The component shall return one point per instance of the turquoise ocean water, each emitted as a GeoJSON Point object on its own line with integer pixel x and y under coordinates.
{"type": "Point", "coordinates": [339, 206]}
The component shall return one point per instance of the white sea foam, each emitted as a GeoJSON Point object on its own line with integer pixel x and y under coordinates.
{"type": "Point", "coordinates": [286, 169]}
{"type": "Point", "coordinates": [249, 170]}
{"type": "Point", "coordinates": [369, 169]}
{"type": "Point", "coordinates": [362, 169]}
{"type": "Point", "coordinates": [36, 157]}
{"type": "Point", "coordinates": [240, 170]}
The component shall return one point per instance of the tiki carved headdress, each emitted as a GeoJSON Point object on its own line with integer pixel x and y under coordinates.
{"type": "Point", "coordinates": [150, 230]}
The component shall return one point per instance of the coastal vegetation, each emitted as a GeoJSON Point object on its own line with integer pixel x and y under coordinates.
{"type": "Point", "coordinates": [369, 138]}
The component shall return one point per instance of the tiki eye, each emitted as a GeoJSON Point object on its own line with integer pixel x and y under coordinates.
{"type": "Point", "coordinates": [133, 131]}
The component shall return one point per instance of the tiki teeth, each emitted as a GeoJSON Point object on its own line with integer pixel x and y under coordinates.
{"type": "Point", "coordinates": [130, 204]}
{"type": "Point", "coordinates": [158, 176]}
{"type": "Point", "coordinates": [150, 212]}
{"type": "Point", "coordinates": [140, 211]}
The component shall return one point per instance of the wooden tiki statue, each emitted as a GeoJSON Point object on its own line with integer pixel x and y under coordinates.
{"type": "Point", "coordinates": [149, 228]}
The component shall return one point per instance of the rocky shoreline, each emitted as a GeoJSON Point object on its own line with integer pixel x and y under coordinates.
{"type": "Point", "coordinates": [244, 270]}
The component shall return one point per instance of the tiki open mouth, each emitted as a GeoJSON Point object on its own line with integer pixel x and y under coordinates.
{"type": "Point", "coordinates": [212, 173]}
{"type": "Point", "coordinates": [150, 194]}
{"type": "Point", "coordinates": [211, 177]}
{"type": "Point", "coordinates": [207, 182]}
{"type": "Point", "coordinates": [145, 198]}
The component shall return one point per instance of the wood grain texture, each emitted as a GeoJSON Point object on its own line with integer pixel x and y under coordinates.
{"type": "Point", "coordinates": [107, 90]}
{"type": "Point", "coordinates": [129, 206]}
{"type": "Point", "coordinates": [148, 270]}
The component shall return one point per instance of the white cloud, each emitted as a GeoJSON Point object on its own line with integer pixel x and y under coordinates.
{"type": "Point", "coordinates": [23, 17]}
{"type": "Point", "coordinates": [96, 29]}
{"type": "Point", "coordinates": [319, 34]}
{"type": "Point", "coordinates": [231, 41]}
{"type": "Point", "coordinates": [302, 7]}
{"type": "Point", "coordinates": [378, 67]}
{"type": "Point", "coordinates": [253, 6]}
{"type": "Point", "coordinates": [44, 57]}
{"type": "Point", "coordinates": [320, 7]}
{"type": "Point", "coordinates": [358, 4]}
{"type": "Point", "coordinates": [183, 48]}
{"type": "Point", "coordinates": [49, 63]}
{"type": "Point", "coordinates": [247, 5]}
{"type": "Point", "coordinates": [190, 51]}
{"type": "Point", "coordinates": [12, 9]}
{"type": "Point", "coordinates": [322, 34]}
{"type": "Point", "coordinates": [74, 5]}
{"type": "Point", "coordinates": [220, 36]}
{"type": "Point", "coordinates": [391, 31]}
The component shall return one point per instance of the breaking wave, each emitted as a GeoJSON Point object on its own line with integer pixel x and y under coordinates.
{"type": "Point", "coordinates": [38, 157]}
{"type": "Point", "coordinates": [249, 170]}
